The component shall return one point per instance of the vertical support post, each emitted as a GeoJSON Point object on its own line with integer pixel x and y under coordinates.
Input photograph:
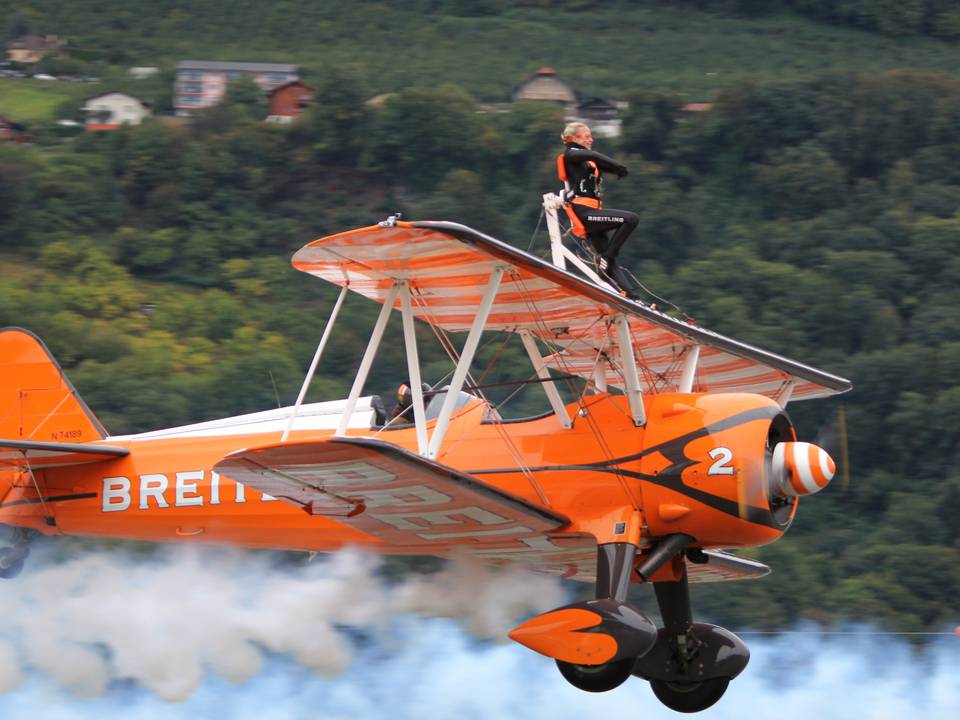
{"type": "Point", "coordinates": [600, 375]}
{"type": "Point", "coordinates": [316, 359]}
{"type": "Point", "coordinates": [787, 393]}
{"type": "Point", "coordinates": [689, 372]}
{"type": "Point", "coordinates": [630, 376]}
{"type": "Point", "coordinates": [549, 387]}
{"type": "Point", "coordinates": [466, 357]}
{"type": "Point", "coordinates": [550, 204]}
{"type": "Point", "coordinates": [413, 368]}
{"type": "Point", "coordinates": [368, 356]}
{"type": "Point", "coordinates": [614, 568]}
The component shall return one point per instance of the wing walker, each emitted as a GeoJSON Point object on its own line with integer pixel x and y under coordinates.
{"type": "Point", "coordinates": [671, 448]}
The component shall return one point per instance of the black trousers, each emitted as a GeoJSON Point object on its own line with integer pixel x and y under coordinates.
{"type": "Point", "coordinates": [600, 222]}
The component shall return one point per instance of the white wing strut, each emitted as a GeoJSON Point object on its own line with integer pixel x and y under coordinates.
{"type": "Point", "coordinates": [553, 395]}
{"type": "Point", "coordinates": [367, 361]}
{"type": "Point", "coordinates": [631, 379]}
{"type": "Point", "coordinates": [466, 357]}
{"type": "Point", "coordinates": [413, 368]}
{"type": "Point", "coordinates": [316, 359]}
{"type": "Point", "coordinates": [690, 361]}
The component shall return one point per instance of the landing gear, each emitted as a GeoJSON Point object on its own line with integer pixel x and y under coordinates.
{"type": "Point", "coordinates": [629, 631]}
{"type": "Point", "coordinates": [13, 556]}
{"type": "Point", "coordinates": [689, 697]}
{"type": "Point", "coordinates": [597, 678]}
{"type": "Point", "coordinates": [598, 644]}
{"type": "Point", "coordinates": [691, 664]}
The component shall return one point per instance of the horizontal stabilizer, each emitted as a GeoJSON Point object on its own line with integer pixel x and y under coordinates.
{"type": "Point", "coordinates": [410, 503]}
{"type": "Point", "coordinates": [52, 454]}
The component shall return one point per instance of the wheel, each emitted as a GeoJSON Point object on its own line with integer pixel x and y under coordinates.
{"type": "Point", "coordinates": [690, 697]}
{"type": "Point", "coordinates": [596, 678]}
{"type": "Point", "coordinates": [10, 568]}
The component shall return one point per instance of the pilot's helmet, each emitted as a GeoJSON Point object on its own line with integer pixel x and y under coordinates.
{"type": "Point", "coordinates": [405, 394]}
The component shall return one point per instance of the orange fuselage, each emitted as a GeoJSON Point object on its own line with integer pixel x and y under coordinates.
{"type": "Point", "coordinates": [698, 468]}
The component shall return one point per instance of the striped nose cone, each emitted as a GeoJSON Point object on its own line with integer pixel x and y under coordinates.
{"type": "Point", "coordinates": [800, 468]}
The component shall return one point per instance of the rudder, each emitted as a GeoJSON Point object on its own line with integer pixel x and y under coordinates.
{"type": "Point", "coordinates": [37, 401]}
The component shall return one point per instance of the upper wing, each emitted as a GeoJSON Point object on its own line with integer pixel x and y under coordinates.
{"type": "Point", "coordinates": [413, 505]}
{"type": "Point", "coordinates": [448, 266]}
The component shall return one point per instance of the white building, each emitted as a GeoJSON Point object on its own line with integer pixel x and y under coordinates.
{"type": "Point", "coordinates": [142, 73]}
{"type": "Point", "coordinates": [110, 110]}
{"type": "Point", "coordinates": [203, 83]}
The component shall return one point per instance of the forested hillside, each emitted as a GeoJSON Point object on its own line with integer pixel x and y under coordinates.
{"type": "Point", "coordinates": [816, 216]}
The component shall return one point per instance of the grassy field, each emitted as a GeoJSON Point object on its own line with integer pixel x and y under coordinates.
{"type": "Point", "coordinates": [26, 100]}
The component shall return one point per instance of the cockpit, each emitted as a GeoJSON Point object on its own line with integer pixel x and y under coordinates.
{"type": "Point", "coordinates": [433, 403]}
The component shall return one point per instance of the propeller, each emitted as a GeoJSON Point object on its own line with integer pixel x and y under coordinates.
{"type": "Point", "coordinates": [833, 438]}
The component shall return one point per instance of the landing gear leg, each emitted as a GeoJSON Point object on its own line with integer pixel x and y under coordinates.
{"type": "Point", "coordinates": [614, 565]}
{"type": "Point", "coordinates": [13, 556]}
{"type": "Point", "coordinates": [691, 664]}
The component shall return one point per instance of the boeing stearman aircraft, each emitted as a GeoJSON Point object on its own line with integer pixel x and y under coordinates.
{"type": "Point", "coordinates": [674, 449]}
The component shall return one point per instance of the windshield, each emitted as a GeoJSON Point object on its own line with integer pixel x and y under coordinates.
{"type": "Point", "coordinates": [437, 397]}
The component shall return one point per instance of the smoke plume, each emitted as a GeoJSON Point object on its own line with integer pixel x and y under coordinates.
{"type": "Point", "coordinates": [112, 634]}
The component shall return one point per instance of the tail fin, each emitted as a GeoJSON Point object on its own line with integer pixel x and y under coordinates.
{"type": "Point", "coordinates": [37, 402]}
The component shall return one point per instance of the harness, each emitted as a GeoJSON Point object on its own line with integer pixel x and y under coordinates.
{"type": "Point", "coordinates": [570, 198]}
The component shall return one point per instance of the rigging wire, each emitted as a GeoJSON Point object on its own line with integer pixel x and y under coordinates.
{"type": "Point", "coordinates": [533, 238]}
{"type": "Point", "coordinates": [583, 412]}
{"type": "Point", "coordinates": [494, 417]}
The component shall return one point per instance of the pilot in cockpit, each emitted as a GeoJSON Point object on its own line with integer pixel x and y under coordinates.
{"type": "Point", "coordinates": [403, 410]}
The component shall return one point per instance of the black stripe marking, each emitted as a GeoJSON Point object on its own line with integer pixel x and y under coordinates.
{"type": "Point", "coordinates": [57, 498]}
{"type": "Point", "coordinates": [673, 450]}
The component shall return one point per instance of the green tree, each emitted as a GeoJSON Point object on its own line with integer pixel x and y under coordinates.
{"type": "Point", "coordinates": [337, 122]}
{"type": "Point", "coordinates": [649, 122]}
{"type": "Point", "coordinates": [420, 134]}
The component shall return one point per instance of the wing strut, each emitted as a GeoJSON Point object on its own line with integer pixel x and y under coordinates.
{"type": "Point", "coordinates": [466, 357]}
{"type": "Point", "coordinates": [413, 367]}
{"type": "Point", "coordinates": [630, 377]}
{"type": "Point", "coordinates": [316, 359]}
{"type": "Point", "coordinates": [367, 360]}
{"type": "Point", "coordinates": [689, 372]}
{"type": "Point", "coordinates": [786, 393]}
{"type": "Point", "coordinates": [556, 402]}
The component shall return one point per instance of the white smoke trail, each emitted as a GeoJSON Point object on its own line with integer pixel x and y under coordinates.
{"type": "Point", "coordinates": [165, 621]}
{"type": "Point", "coordinates": [233, 637]}
{"type": "Point", "coordinates": [434, 669]}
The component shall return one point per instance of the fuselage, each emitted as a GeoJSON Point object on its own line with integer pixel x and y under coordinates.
{"type": "Point", "coordinates": [698, 467]}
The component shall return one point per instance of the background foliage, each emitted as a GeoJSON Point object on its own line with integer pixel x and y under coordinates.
{"type": "Point", "coordinates": [813, 211]}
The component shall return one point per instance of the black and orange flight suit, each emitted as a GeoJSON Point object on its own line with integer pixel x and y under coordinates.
{"type": "Point", "coordinates": [582, 170]}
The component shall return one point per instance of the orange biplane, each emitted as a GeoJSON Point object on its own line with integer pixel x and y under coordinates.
{"type": "Point", "coordinates": [677, 448]}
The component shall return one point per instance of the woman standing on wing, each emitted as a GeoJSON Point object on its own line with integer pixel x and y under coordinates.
{"type": "Point", "coordinates": [581, 168]}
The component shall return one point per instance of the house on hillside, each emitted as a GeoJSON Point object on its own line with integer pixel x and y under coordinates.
{"type": "Point", "coordinates": [203, 83]}
{"type": "Point", "coordinates": [602, 115]}
{"type": "Point", "coordinates": [29, 49]}
{"type": "Point", "coordinates": [546, 85]}
{"type": "Point", "coordinates": [289, 100]}
{"type": "Point", "coordinates": [110, 110]}
{"type": "Point", "coordinates": [142, 73]}
{"type": "Point", "coordinates": [11, 131]}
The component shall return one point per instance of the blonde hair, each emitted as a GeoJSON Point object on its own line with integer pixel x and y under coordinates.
{"type": "Point", "coordinates": [572, 130]}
